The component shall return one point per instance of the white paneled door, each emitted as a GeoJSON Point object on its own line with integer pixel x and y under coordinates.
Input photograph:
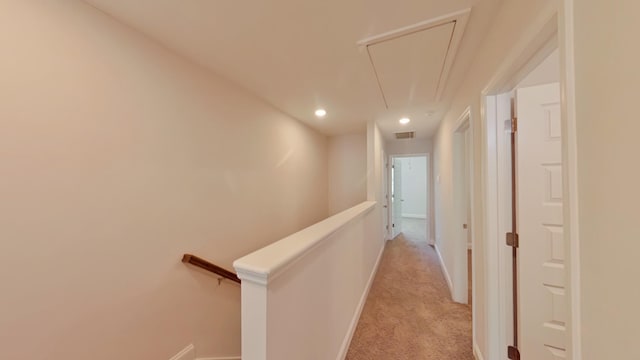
{"type": "Point", "coordinates": [542, 299]}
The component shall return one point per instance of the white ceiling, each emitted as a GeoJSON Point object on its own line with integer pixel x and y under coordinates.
{"type": "Point", "coordinates": [301, 55]}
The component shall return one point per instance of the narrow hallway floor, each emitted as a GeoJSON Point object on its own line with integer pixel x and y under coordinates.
{"type": "Point", "coordinates": [409, 314]}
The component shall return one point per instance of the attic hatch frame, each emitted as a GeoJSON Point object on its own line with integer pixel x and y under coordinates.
{"type": "Point", "coordinates": [459, 20]}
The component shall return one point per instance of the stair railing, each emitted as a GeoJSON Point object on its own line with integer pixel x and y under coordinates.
{"type": "Point", "coordinates": [206, 265]}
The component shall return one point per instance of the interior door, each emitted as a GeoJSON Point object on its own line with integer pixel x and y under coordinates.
{"type": "Point", "coordinates": [541, 265]}
{"type": "Point", "coordinates": [396, 197]}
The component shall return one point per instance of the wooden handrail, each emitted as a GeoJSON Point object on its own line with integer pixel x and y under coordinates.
{"type": "Point", "coordinates": [204, 264]}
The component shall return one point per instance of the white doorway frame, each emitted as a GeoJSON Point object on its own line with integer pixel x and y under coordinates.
{"type": "Point", "coordinates": [385, 201]}
{"type": "Point", "coordinates": [558, 20]}
{"type": "Point", "coordinates": [390, 159]}
{"type": "Point", "coordinates": [460, 277]}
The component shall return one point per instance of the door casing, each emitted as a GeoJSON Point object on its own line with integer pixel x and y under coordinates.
{"type": "Point", "coordinates": [389, 170]}
{"type": "Point", "coordinates": [556, 21]}
{"type": "Point", "coordinates": [463, 200]}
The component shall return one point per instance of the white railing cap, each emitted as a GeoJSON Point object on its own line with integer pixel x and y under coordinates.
{"type": "Point", "coordinates": [267, 263]}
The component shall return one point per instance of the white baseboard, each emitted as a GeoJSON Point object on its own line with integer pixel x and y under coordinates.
{"type": "Point", "coordinates": [444, 270]}
{"type": "Point", "coordinates": [344, 348]}
{"type": "Point", "coordinates": [415, 216]}
{"type": "Point", "coordinates": [188, 353]}
{"type": "Point", "coordinates": [476, 352]}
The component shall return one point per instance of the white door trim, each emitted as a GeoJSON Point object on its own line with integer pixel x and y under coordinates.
{"type": "Point", "coordinates": [385, 201]}
{"type": "Point", "coordinates": [497, 223]}
{"type": "Point", "coordinates": [430, 213]}
{"type": "Point", "coordinates": [463, 121]}
{"type": "Point", "coordinates": [460, 271]}
{"type": "Point", "coordinates": [569, 131]}
{"type": "Point", "coordinates": [556, 19]}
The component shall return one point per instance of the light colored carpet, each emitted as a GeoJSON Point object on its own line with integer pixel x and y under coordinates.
{"type": "Point", "coordinates": [409, 314]}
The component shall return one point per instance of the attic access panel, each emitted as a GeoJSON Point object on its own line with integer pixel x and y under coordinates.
{"type": "Point", "coordinates": [409, 67]}
{"type": "Point", "coordinates": [412, 64]}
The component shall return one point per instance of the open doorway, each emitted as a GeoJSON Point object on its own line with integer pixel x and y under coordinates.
{"type": "Point", "coordinates": [524, 123]}
{"type": "Point", "coordinates": [409, 197]}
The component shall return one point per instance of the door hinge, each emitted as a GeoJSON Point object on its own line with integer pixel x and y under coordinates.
{"type": "Point", "coordinates": [513, 240]}
{"type": "Point", "coordinates": [393, 225]}
{"type": "Point", "coordinates": [514, 124]}
{"type": "Point", "coordinates": [513, 353]}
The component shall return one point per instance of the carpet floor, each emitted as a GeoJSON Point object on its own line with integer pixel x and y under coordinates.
{"type": "Point", "coordinates": [409, 314]}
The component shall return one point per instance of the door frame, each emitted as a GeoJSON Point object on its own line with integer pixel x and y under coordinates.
{"type": "Point", "coordinates": [385, 201]}
{"type": "Point", "coordinates": [556, 20]}
{"type": "Point", "coordinates": [429, 195]}
{"type": "Point", "coordinates": [459, 281]}
{"type": "Point", "coordinates": [395, 198]}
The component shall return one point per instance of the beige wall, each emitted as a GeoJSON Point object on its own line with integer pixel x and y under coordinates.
{"type": "Point", "coordinates": [511, 22]}
{"type": "Point", "coordinates": [347, 171]}
{"type": "Point", "coordinates": [607, 77]}
{"type": "Point", "coordinates": [116, 158]}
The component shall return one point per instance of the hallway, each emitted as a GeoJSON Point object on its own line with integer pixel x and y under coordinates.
{"type": "Point", "coordinates": [409, 313]}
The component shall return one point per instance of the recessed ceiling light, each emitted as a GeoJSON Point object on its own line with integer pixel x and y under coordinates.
{"type": "Point", "coordinates": [321, 113]}
{"type": "Point", "coordinates": [405, 121]}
